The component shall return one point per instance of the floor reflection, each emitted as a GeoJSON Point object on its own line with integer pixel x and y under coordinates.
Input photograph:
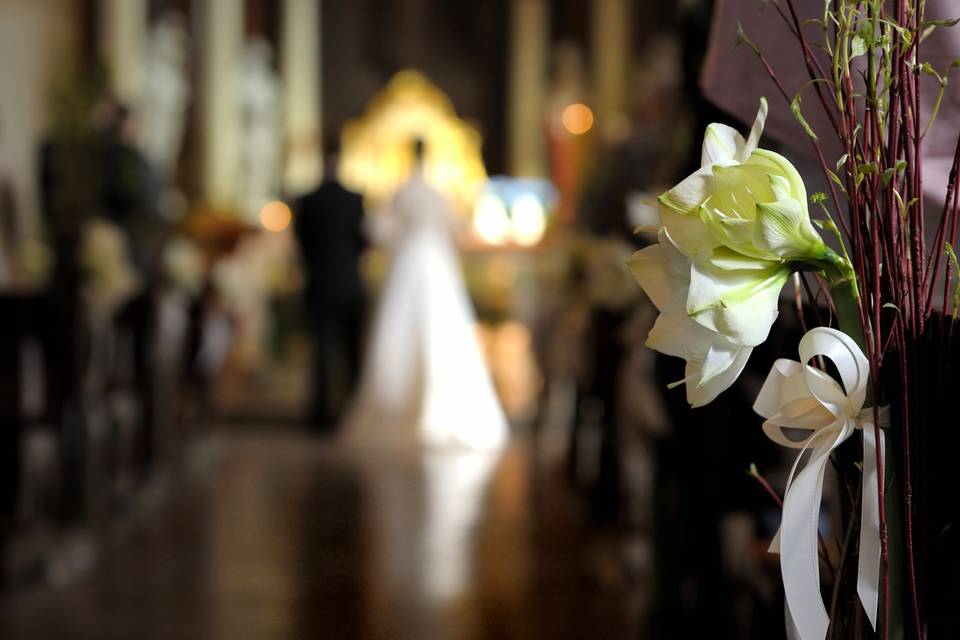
{"type": "Point", "coordinates": [455, 485]}
{"type": "Point", "coordinates": [282, 536]}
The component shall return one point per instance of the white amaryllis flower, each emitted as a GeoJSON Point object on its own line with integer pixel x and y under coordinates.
{"type": "Point", "coordinates": [747, 298]}
{"type": "Point", "coordinates": [746, 199]}
{"type": "Point", "coordinates": [732, 233]}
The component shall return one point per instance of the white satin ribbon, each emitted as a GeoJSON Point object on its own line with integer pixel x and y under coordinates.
{"type": "Point", "coordinates": [799, 397]}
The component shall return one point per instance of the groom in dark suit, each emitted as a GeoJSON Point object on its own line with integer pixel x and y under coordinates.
{"type": "Point", "coordinates": [329, 229]}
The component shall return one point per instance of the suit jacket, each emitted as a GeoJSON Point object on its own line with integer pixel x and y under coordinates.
{"type": "Point", "coordinates": [329, 229]}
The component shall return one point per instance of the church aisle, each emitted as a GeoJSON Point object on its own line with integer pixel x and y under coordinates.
{"type": "Point", "coordinates": [278, 535]}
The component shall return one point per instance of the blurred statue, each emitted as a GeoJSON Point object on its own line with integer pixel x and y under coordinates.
{"type": "Point", "coordinates": [8, 223]}
{"type": "Point", "coordinates": [425, 380]}
{"type": "Point", "coordinates": [167, 92]}
{"type": "Point", "coordinates": [329, 229]}
{"type": "Point", "coordinates": [262, 122]}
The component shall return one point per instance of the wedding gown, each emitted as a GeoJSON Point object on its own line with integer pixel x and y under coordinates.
{"type": "Point", "coordinates": [425, 381]}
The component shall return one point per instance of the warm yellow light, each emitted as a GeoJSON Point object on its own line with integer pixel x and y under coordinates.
{"type": "Point", "coordinates": [527, 220]}
{"type": "Point", "coordinates": [490, 219]}
{"type": "Point", "coordinates": [377, 150]}
{"type": "Point", "coordinates": [275, 216]}
{"type": "Point", "coordinates": [577, 118]}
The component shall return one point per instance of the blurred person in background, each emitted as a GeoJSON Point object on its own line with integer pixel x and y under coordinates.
{"type": "Point", "coordinates": [131, 188]}
{"type": "Point", "coordinates": [130, 198]}
{"type": "Point", "coordinates": [328, 224]}
{"type": "Point", "coordinates": [425, 381]}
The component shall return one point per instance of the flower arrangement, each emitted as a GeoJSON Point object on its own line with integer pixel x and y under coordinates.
{"type": "Point", "coordinates": [734, 232]}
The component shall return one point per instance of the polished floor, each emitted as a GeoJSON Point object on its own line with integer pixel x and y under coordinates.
{"type": "Point", "coordinates": [278, 535]}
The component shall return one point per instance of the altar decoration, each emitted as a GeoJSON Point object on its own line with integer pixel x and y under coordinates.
{"type": "Point", "coordinates": [377, 149]}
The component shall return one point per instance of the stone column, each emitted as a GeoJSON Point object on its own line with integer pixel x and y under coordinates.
{"type": "Point", "coordinates": [123, 25]}
{"type": "Point", "coordinates": [222, 51]}
{"type": "Point", "coordinates": [610, 39]}
{"type": "Point", "coordinates": [300, 67]}
{"type": "Point", "coordinates": [529, 36]}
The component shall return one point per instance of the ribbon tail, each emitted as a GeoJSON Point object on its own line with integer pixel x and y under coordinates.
{"type": "Point", "coordinates": [868, 568]}
{"type": "Point", "coordinates": [775, 543]}
{"type": "Point", "coordinates": [791, 626]}
{"type": "Point", "coordinates": [799, 558]}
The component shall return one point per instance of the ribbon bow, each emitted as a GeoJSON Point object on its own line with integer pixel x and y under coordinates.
{"type": "Point", "coordinates": [800, 397]}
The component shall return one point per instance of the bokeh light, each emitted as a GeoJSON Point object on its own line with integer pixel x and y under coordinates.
{"type": "Point", "coordinates": [490, 219]}
{"type": "Point", "coordinates": [577, 118]}
{"type": "Point", "coordinates": [527, 220]}
{"type": "Point", "coordinates": [275, 216]}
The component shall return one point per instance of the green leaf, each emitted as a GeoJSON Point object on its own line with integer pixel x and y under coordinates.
{"type": "Point", "coordinates": [941, 22]}
{"type": "Point", "coordinates": [858, 47]}
{"type": "Point", "coordinates": [837, 180]}
{"type": "Point", "coordinates": [903, 208]}
{"type": "Point", "coordinates": [795, 108]}
{"type": "Point", "coordinates": [952, 257]}
{"type": "Point", "coordinates": [889, 172]}
{"type": "Point", "coordinates": [903, 32]}
{"type": "Point", "coordinates": [829, 225]}
{"type": "Point", "coordinates": [842, 161]}
{"type": "Point", "coordinates": [928, 69]}
{"type": "Point", "coordinates": [936, 104]}
{"type": "Point", "coordinates": [743, 39]}
{"type": "Point", "coordinates": [865, 169]}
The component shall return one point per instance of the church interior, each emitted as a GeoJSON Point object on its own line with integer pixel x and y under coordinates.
{"type": "Point", "coordinates": [179, 444]}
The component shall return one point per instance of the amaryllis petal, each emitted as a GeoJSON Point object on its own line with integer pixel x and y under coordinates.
{"type": "Point", "coordinates": [740, 304]}
{"type": "Point", "coordinates": [687, 231]}
{"type": "Point", "coordinates": [690, 192]}
{"type": "Point", "coordinates": [700, 395]}
{"type": "Point", "coordinates": [721, 143]}
{"type": "Point", "coordinates": [783, 229]}
{"type": "Point", "coordinates": [663, 273]}
{"type": "Point", "coordinates": [678, 336]}
{"type": "Point", "coordinates": [730, 260]}
{"type": "Point", "coordinates": [776, 164]}
{"type": "Point", "coordinates": [719, 358]}
{"type": "Point", "coordinates": [649, 267]}
{"type": "Point", "coordinates": [713, 362]}
{"type": "Point", "coordinates": [755, 131]}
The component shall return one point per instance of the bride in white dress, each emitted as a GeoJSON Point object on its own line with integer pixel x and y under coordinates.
{"type": "Point", "coordinates": [425, 381]}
